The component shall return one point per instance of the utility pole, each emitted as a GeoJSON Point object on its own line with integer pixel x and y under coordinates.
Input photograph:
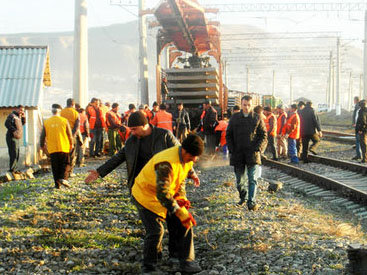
{"type": "Point", "coordinates": [337, 105]}
{"type": "Point", "coordinates": [365, 57]}
{"type": "Point", "coordinates": [225, 72]}
{"type": "Point", "coordinates": [273, 91]}
{"type": "Point", "coordinates": [333, 90]}
{"type": "Point", "coordinates": [350, 92]}
{"type": "Point", "coordinates": [143, 59]}
{"type": "Point", "coordinates": [330, 91]}
{"type": "Point", "coordinates": [247, 80]}
{"type": "Point", "coordinates": [80, 74]}
{"type": "Point", "coordinates": [360, 86]}
{"type": "Point", "coordinates": [290, 90]}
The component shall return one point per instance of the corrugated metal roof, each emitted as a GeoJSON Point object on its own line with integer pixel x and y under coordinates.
{"type": "Point", "coordinates": [23, 70]}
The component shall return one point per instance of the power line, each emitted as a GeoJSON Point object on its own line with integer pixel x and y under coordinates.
{"type": "Point", "coordinates": [287, 7]}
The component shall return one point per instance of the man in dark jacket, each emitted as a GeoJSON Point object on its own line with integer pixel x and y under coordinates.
{"type": "Point", "coordinates": [246, 135]}
{"type": "Point", "coordinates": [145, 141]}
{"type": "Point", "coordinates": [361, 127]}
{"type": "Point", "coordinates": [14, 123]}
{"type": "Point", "coordinates": [209, 123]}
{"type": "Point", "coordinates": [310, 130]}
{"type": "Point", "coordinates": [181, 121]}
{"type": "Point", "coordinates": [354, 122]}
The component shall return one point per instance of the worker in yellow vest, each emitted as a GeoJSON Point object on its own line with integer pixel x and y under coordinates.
{"type": "Point", "coordinates": [158, 193]}
{"type": "Point", "coordinates": [72, 115]}
{"type": "Point", "coordinates": [56, 140]}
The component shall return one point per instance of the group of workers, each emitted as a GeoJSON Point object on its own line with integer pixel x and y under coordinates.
{"type": "Point", "coordinates": [295, 126]}
{"type": "Point", "coordinates": [160, 152]}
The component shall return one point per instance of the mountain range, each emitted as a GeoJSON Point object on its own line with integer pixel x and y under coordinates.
{"type": "Point", "coordinates": [113, 64]}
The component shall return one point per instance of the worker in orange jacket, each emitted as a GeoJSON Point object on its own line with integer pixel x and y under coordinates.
{"type": "Point", "coordinates": [163, 119]}
{"type": "Point", "coordinates": [113, 121]}
{"type": "Point", "coordinates": [221, 128]}
{"type": "Point", "coordinates": [292, 132]}
{"type": "Point", "coordinates": [271, 128]}
{"type": "Point", "coordinates": [97, 124]}
{"type": "Point", "coordinates": [281, 141]}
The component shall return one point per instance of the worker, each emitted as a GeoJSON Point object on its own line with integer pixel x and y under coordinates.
{"type": "Point", "coordinates": [14, 124]}
{"type": "Point", "coordinates": [163, 119]}
{"type": "Point", "coordinates": [72, 115]}
{"type": "Point", "coordinates": [182, 122]}
{"type": "Point", "coordinates": [271, 128]}
{"type": "Point", "coordinates": [145, 141]}
{"type": "Point", "coordinates": [281, 141]}
{"type": "Point", "coordinates": [57, 141]}
{"type": "Point", "coordinates": [292, 132]}
{"type": "Point", "coordinates": [96, 125]}
{"type": "Point", "coordinates": [113, 122]}
{"type": "Point", "coordinates": [159, 195]}
{"type": "Point", "coordinates": [246, 135]}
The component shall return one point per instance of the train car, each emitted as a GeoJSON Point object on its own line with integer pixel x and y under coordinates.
{"type": "Point", "coordinates": [271, 101]}
{"type": "Point", "coordinates": [194, 73]}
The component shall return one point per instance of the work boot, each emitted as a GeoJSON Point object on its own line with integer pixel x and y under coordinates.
{"type": "Point", "coordinates": [190, 267]}
{"type": "Point", "coordinates": [252, 206]}
{"type": "Point", "coordinates": [242, 199]}
{"type": "Point", "coordinates": [356, 158]}
{"type": "Point", "coordinates": [65, 183]}
{"type": "Point", "coordinates": [313, 151]}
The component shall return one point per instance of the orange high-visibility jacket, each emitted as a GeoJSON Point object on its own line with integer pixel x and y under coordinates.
{"type": "Point", "coordinates": [113, 116]}
{"type": "Point", "coordinates": [293, 126]}
{"type": "Point", "coordinates": [279, 123]}
{"type": "Point", "coordinates": [93, 117]}
{"type": "Point", "coordinates": [162, 119]}
{"type": "Point", "coordinates": [222, 127]}
{"type": "Point", "coordinates": [267, 120]}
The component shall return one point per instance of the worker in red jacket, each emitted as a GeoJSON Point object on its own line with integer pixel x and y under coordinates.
{"type": "Point", "coordinates": [292, 132]}
{"type": "Point", "coordinates": [271, 128]}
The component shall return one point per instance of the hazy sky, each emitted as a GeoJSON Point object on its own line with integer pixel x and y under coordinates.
{"type": "Point", "coordinates": [17, 16]}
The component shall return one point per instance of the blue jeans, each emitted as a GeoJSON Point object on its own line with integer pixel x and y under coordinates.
{"type": "Point", "coordinates": [358, 145]}
{"type": "Point", "coordinates": [225, 152]}
{"type": "Point", "coordinates": [241, 181]}
{"type": "Point", "coordinates": [292, 150]}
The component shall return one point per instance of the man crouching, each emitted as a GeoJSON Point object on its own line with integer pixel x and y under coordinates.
{"type": "Point", "coordinates": [159, 195]}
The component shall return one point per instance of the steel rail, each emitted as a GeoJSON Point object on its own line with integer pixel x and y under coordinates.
{"type": "Point", "coordinates": [326, 183]}
{"type": "Point", "coordinates": [346, 165]}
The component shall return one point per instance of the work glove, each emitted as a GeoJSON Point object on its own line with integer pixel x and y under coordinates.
{"type": "Point", "coordinates": [183, 203]}
{"type": "Point", "coordinates": [185, 217]}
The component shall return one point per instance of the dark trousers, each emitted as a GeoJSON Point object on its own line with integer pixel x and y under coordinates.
{"type": "Point", "coordinates": [181, 133]}
{"type": "Point", "coordinates": [96, 142]}
{"type": "Point", "coordinates": [181, 240]}
{"type": "Point", "coordinates": [363, 141]}
{"type": "Point", "coordinates": [299, 147]}
{"type": "Point", "coordinates": [80, 150]}
{"type": "Point", "coordinates": [272, 147]}
{"type": "Point", "coordinates": [13, 149]}
{"type": "Point", "coordinates": [210, 143]}
{"type": "Point", "coordinates": [60, 164]}
{"type": "Point", "coordinates": [305, 144]}
{"type": "Point", "coordinates": [73, 155]}
{"type": "Point", "coordinates": [114, 141]}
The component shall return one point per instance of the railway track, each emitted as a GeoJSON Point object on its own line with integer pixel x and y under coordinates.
{"type": "Point", "coordinates": [339, 136]}
{"type": "Point", "coordinates": [331, 180]}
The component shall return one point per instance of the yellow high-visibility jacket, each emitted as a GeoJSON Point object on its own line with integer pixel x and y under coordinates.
{"type": "Point", "coordinates": [145, 187]}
